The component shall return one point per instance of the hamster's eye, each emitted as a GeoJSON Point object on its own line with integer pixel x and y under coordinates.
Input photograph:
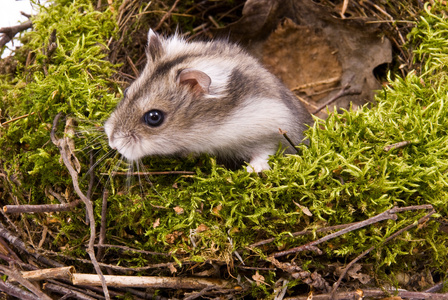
{"type": "Point", "coordinates": [153, 118]}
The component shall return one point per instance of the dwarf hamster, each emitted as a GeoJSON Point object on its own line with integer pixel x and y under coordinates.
{"type": "Point", "coordinates": [205, 97]}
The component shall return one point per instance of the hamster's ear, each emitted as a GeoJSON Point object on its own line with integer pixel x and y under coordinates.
{"type": "Point", "coordinates": [197, 80]}
{"type": "Point", "coordinates": [154, 49]}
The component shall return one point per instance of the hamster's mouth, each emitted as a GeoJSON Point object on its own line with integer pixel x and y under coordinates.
{"type": "Point", "coordinates": [129, 150]}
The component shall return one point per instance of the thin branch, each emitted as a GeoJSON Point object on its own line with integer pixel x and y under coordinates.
{"type": "Point", "coordinates": [19, 244]}
{"type": "Point", "coordinates": [304, 232]}
{"type": "Point", "coordinates": [133, 67]}
{"type": "Point", "coordinates": [387, 215]}
{"type": "Point", "coordinates": [200, 293]}
{"type": "Point", "coordinates": [166, 16]}
{"type": "Point", "coordinates": [421, 220]}
{"type": "Point", "coordinates": [437, 287]}
{"type": "Point", "coordinates": [397, 145]}
{"type": "Point", "coordinates": [15, 291]}
{"type": "Point", "coordinates": [10, 32]}
{"type": "Point", "coordinates": [345, 91]}
{"type": "Point", "coordinates": [15, 119]}
{"type": "Point", "coordinates": [124, 248]}
{"type": "Point", "coordinates": [11, 209]}
{"type": "Point", "coordinates": [151, 173]}
{"type": "Point", "coordinates": [18, 277]}
{"type": "Point", "coordinates": [370, 294]}
{"type": "Point", "coordinates": [284, 133]}
{"type": "Point", "coordinates": [103, 228]}
{"type": "Point", "coordinates": [150, 281]}
{"type": "Point", "coordinates": [52, 273]}
{"type": "Point", "coordinates": [66, 291]}
{"type": "Point", "coordinates": [62, 145]}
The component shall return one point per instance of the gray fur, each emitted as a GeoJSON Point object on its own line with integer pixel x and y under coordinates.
{"type": "Point", "coordinates": [236, 117]}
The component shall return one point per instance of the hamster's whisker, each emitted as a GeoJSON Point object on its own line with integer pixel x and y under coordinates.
{"type": "Point", "coordinates": [101, 159]}
{"type": "Point", "coordinates": [139, 163]}
{"type": "Point", "coordinates": [114, 169]}
{"type": "Point", "coordinates": [129, 176]}
{"type": "Point", "coordinates": [145, 173]}
{"type": "Point", "coordinates": [94, 148]}
{"type": "Point", "coordinates": [100, 136]}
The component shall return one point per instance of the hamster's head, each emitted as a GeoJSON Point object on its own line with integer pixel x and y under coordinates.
{"type": "Point", "coordinates": [159, 109]}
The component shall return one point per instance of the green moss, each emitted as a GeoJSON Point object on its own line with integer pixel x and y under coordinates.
{"type": "Point", "coordinates": [73, 80]}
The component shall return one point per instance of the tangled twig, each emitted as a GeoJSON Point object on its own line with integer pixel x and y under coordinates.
{"type": "Point", "coordinates": [62, 144]}
{"type": "Point", "coordinates": [10, 32]}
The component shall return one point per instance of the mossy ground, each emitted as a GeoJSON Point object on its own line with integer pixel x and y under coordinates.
{"type": "Point", "coordinates": [343, 176]}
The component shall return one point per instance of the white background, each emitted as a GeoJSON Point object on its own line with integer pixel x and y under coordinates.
{"type": "Point", "coordinates": [10, 16]}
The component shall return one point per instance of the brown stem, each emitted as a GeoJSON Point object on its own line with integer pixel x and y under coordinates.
{"type": "Point", "coordinates": [151, 173]}
{"type": "Point", "coordinates": [15, 291]}
{"type": "Point", "coordinates": [11, 209]}
{"type": "Point", "coordinates": [18, 277]}
{"type": "Point", "coordinates": [133, 67]}
{"type": "Point", "coordinates": [15, 119]}
{"type": "Point", "coordinates": [102, 237]}
{"type": "Point", "coordinates": [16, 242]}
{"type": "Point", "coordinates": [166, 16]}
{"type": "Point", "coordinates": [304, 232]}
{"type": "Point", "coordinates": [124, 248]}
{"type": "Point", "coordinates": [10, 32]}
{"type": "Point", "coordinates": [387, 215]}
{"type": "Point", "coordinates": [284, 133]}
{"type": "Point", "coordinates": [421, 220]}
{"type": "Point", "coordinates": [343, 92]}
{"type": "Point", "coordinates": [62, 145]}
{"type": "Point", "coordinates": [397, 145]}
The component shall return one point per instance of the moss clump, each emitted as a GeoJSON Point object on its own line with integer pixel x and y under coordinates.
{"type": "Point", "coordinates": [73, 79]}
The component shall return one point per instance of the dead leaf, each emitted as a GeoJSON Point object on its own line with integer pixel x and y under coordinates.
{"type": "Point", "coordinates": [285, 51]}
{"type": "Point", "coordinates": [172, 268]}
{"type": "Point", "coordinates": [179, 210]}
{"type": "Point", "coordinates": [354, 272]}
{"type": "Point", "coordinates": [313, 50]}
{"type": "Point", "coordinates": [216, 209]}
{"type": "Point", "coordinates": [259, 279]}
{"type": "Point", "coordinates": [202, 228]}
{"type": "Point", "coordinates": [304, 209]}
{"type": "Point", "coordinates": [69, 133]}
{"type": "Point", "coordinates": [156, 223]}
{"type": "Point", "coordinates": [171, 238]}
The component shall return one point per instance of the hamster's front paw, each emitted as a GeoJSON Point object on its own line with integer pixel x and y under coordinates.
{"type": "Point", "coordinates": [258, 163]}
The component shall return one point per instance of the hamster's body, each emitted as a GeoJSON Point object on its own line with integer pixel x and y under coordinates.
{"type": "Point", "coordinates": [205, 97]}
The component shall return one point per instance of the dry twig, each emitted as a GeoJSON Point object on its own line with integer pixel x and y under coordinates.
{"type": "Point", "coordinates": [397, 145]}
{"type": "Point", "coordinates": [421, 220]}
{"type": "Point", "coordinates": [15, 291]}
{"type": "Point", "coordinates": [166, 16]}
{"type": "Point", "coordinates": [10, 32]}
{"type": "Point", "coordinates": [40, 208]}
{"type": "Point", "coordinates": [150, 281]}
{"type": "Point", "coordinates": [62, 144]}
{"type": "Point", "coordinates": [345, 91]}
{"type": "Point", "coordinates": [15, 119]}
{"type": "Point", "coordinates": [18, 277]}
{"type": "Point", "coordinates": [19, 244]}
{"type": "Point", "coordinates": [151, 173]}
